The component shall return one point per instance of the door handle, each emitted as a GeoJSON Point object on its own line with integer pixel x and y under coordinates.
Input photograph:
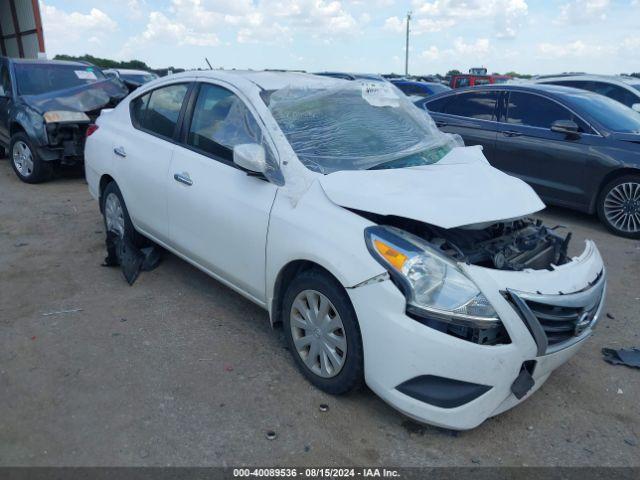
{"type": "Point", "coordinates": [183, 178]}
{"type": "Point", "coordinates": [511, 133]}
{"type": "Point", "coordinates": [120, 152]}
{"type": "Point", "coordinates": [441, 124]}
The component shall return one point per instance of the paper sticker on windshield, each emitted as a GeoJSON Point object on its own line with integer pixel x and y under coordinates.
{"type": "Point", "coordinates": [85, 75]}
{"type": "Point", "coordinates": [379, 94]}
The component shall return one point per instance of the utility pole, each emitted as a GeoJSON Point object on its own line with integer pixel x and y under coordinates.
{"type": "Point", "coordinates": [406, 50]}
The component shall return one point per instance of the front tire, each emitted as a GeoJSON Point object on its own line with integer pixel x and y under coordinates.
{"type": "Point", "coordinates": [619, 206]}
{"type": "Point", "coordinates": [26, 162]}
{"type": "Point", "coordinates": [322, 332]}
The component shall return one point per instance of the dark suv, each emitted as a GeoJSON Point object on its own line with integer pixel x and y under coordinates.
{"type": "Point", "coordinates": [45, 109]}
{"type": "Point", "coordinates": [576, 148]}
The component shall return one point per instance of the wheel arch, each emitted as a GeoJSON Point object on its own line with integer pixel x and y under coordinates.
{"type": "Point", "coordinates": [620, 172]}
{"type": "Point", "coordinates": [286, 274]}
{"type": "Point", "coordinates": [15, 127]}
{"type": "Point", "coordinates": [105, 180]}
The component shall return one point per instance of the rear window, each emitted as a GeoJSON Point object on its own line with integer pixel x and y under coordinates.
{"type": "Point", "coordinates": [39, 78]}
{"type": "Point", "coordinates": [138, 78]}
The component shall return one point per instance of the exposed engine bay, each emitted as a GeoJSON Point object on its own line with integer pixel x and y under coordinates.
{"type": "Point", "coordinates": [509, 245]}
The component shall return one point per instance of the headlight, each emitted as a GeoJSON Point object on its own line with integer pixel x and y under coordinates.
{"type": "Point", "coordinates": [433, 283]}
{"type": "Point", "coordinates": [63, 116]}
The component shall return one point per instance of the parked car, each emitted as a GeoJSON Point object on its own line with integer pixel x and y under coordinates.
{"type": "Point", "coordinates": [471, 80]}
{"type": "Point", "coordinates": [419, 90]}
{"type": "Point", "coordinates": [625, 90]}
{"type": "Point", "coordinates": [577, 149]}
{"type": "Point", "coordinates": [390, 253]}
{"type": "Point", "coordinates": [45, 108]}
{"type": "Point", "coordinates": [131, 78]}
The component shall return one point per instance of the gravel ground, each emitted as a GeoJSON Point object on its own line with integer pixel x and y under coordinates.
{"type": "Point", "coordinates": [180, 370]}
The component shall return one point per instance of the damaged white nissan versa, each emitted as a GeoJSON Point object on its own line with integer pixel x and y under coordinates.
{"type": "Point", "coordinates": [391, 254]}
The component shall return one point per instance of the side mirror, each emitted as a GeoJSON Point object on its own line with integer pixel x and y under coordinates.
{"type": "Point", "coordinates": [636, 107]}
{"type": "Point", "coordinates": [566, 127]}
{"type": "Point", "coordinates": [251, 157]}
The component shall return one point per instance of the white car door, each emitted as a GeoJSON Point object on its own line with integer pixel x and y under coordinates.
{"type": "Point", "coordinates": [219, 215]}
{"type": "Point", "coordinates": [142, 155]}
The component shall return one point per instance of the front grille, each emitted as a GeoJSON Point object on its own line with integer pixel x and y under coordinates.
{"type": "Point", "coordinates": [555, 321]}
{"type": "Point", "coordinates": [561, 323]}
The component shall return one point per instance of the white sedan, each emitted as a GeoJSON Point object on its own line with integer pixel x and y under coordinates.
{"type": "Point", "coordinates": [389, 252]}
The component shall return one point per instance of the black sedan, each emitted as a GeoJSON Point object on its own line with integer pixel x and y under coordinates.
{"type": "Point", "coordinates": [577, 149]}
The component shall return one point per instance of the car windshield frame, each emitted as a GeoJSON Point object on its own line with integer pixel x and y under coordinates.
{"type": "Point", "coordinates": [609, 113]}
{"type": "Point", "coordinates": [31, 77]}
{"type": "Point", "coordinates": [371, 125]}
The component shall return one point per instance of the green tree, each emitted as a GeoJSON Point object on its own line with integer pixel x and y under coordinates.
{"type": "Point", "coordinates": [518, 75]}
{"type": "Point", "coordinates": [105, 62]}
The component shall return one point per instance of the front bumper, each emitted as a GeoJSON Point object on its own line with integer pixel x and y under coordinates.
{"type": "Point", "coordinates": [398, 349]}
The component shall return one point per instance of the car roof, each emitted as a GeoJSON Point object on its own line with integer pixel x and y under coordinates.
{"type": "Point", "coordinates": [266, 80]}
{"type": "Point", "coordinates": [551, 90]}
{"type": "Point", "coordinates": [31, 61]}
{"type": "Point", "coordinates": [530, 87]}
{"type": "Point", "coordinates": [587, 76]}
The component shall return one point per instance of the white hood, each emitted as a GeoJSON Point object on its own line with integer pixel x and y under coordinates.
{"type": "Point", "coordinates": [461, 189]}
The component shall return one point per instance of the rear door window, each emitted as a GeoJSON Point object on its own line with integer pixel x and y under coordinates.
{"type": "Point", "coordinates": [438, 104]}
{"type": "Point", "coordinates": [478, 105]}
{"type": "Point", "coordinates": [157, 112]}
{"type": "Point", "coordinates": [535, 111]}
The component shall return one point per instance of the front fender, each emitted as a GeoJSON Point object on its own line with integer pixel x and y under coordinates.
{"type": "Point", "coordinates": [318, 231]}
{"type": "Point", "coordinates": [31, 122]}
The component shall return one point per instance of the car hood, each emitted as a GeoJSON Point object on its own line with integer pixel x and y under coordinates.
{"type": "Point", "coordinates": [461, 189]}
{"type": "Point", "coordinates": [86, 98]}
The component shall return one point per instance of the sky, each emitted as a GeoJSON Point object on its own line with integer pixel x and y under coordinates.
{"type": "Point", "coordinates": [526, 36]}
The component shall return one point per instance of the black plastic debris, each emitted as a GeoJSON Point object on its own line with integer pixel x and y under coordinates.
{"type": "Point", "coordinates": [133, 260]}
{"type": "Point", "coordinates": [624, 356]}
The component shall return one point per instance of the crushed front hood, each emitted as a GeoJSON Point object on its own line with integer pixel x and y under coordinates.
{"type": "Point", "coordinates": [85, 98]}
{"type": "Point", "coordinates": [461, 189]}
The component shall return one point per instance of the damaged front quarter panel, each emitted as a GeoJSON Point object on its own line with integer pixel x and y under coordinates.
{"type": "Point", "coordinates": [56, 122]}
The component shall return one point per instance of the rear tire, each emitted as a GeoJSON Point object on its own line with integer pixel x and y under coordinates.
{"type": "Point", "coordinates": [26, 162]}
{"type": "Point", "coordinates": [116, 216]}
{"type": "Point", "coordinates": [619, 206]}
{"type": "Point", "coordinates": [327, 348]}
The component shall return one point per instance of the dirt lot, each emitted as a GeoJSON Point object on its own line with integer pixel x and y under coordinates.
{"type": "Point", "coordinates": [180, 370]}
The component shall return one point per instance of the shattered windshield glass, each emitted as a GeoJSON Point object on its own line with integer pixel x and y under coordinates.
{"type": "Point", "coordinates": [358, 126]}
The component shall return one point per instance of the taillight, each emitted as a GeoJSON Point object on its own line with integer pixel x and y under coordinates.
{"type": "Point", "coordinates": [91, 129]}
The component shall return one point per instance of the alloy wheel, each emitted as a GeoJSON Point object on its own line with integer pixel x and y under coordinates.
{"type": "Point", "coordinates": [114, 215]}
{"type": "Point", "coordinates": [622, 207]}
{"type": "Point", "coordinates": [318, 333]}
{"type": "Point", "coordinates": [22, 158]}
